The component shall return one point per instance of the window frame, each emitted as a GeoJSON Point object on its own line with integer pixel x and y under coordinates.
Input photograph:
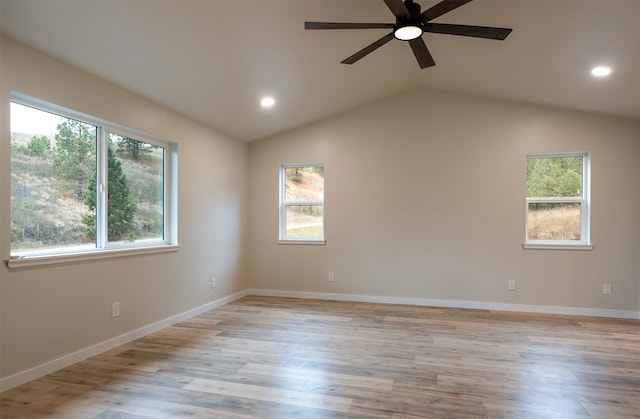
{"type": "Point", "coordinates": [284, 204]}
{"type": "Point", "coordinates": [585, 207]}
{"type": "Point", "coordinates": [102, 248]}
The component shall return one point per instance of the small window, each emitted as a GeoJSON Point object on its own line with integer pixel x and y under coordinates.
{"type": "Point", "coordinates": [558, 200]}
{"type": "Point", "coordinates": [81, 185]}
{"type": "Point", "coordinates": [302, 203]}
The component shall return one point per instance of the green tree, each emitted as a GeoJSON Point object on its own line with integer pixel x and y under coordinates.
{"type": "Point", "coordinates": [39, 145]}
{"type": "Point", "coordinates": [134, 148]}
{"type": "Point", "coordinates": [554, 176]}
{"type": "Point", "coordinates": [121, 205]}
{"type": "Point", "coordinates": [74, 156]}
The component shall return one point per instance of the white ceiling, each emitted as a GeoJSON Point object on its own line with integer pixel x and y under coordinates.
{"type": "Point", "coordinates": [213, 59]}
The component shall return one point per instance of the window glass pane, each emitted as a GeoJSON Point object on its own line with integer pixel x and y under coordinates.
{"type": "Point", "coordinates": [53, 161]}
{"type": "Point", "coordinates": [135, 190]}
{"type": "Point", "coordinates": [554, 221]}
{"type": "Point", "coordinates": [304, 221]}
{"type": "Point", "coordinates": [554, 176]}
{"type": "Point", "coordinates": [304, 183]}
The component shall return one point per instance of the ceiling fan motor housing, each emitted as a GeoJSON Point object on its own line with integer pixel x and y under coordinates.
{"type": "Point", "coordinates": [412, 8]}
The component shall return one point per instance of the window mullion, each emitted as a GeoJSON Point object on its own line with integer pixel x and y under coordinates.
{"type": "Point", "coordinates": [291, 203]}
{"type": "Point", "coordinates": [101, 190]}
{"type": "Point", "coordinates": [537, 200]}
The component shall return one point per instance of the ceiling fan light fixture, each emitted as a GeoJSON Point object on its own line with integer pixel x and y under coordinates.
{"type": "Point", "coordinates": [407, 32]}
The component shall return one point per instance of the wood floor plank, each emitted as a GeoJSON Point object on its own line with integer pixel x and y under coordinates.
{"type": "Point", "coordinates": [298, 398]}
{"type": "Point", "coordinates": [268, 357]}
{"type": "Point", "coordinates": [318, 376]}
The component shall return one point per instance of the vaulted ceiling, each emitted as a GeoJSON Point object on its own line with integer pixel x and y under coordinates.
{"type": "Point", "coordinates": [214, 59]}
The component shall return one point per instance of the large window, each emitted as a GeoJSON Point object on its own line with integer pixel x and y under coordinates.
{"type": "Point", "coordinates": [302, 203]}
{"type": "Point", "coordinates": [82, 185]}
{"type": "Point", "coordinates": [558, 200]}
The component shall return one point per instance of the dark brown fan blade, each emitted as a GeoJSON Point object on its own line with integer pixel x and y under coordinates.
{"type": "Point", "coordinates": [368, 49]}
{"type": "Point", "coordinates": [397, 7]}
{"type": "Point", "coordinates": [467, 30]}
{"type": "Point", "coordinates": [339, 25]}
{"type": "Point", "coordinates": [443, 7]}
{"type": "Point", "coordinates": [422, 53]}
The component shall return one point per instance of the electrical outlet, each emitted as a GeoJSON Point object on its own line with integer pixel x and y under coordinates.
{"type": "Point", "coordinates": [213, 282]}
{"type": "Point", "coordinates": [606, 289]}
{"type": "Point", "coordinates": [331, 278]}
{"type": "Point", "coordinates": [511, 284]}
{"type": "Point", "coordinates": [115, 310]}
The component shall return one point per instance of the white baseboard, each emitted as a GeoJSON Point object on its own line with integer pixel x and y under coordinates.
{"type": "Point", "coordinates": [23, 377]}
{"type": "Point", "coordinates": [525, 308]}
{"type": "Point", "coordinates": [70, 359]}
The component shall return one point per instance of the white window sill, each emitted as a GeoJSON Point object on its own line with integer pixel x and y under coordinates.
{"type": "Point", "coordinates": [304, 242]}
{"type": "Point", "coordinates": [557, 246]}
{"type": "Point", "coordinates": [38, 260]}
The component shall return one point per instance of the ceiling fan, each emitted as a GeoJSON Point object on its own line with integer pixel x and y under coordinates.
{"type": "Point", "coordinates": [410, 25]}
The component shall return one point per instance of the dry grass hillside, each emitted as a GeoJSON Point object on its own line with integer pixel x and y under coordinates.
{"type": "Point", "coordinates": [45, 215]}
{"type": "Point", "coordinates": [555, 224]}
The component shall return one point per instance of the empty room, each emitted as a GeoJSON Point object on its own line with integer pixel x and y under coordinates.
{"type": "Point", "coordinates": [320, 209]}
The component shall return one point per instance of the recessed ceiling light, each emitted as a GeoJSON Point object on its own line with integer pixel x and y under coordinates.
{"type": "Point", "coordinates": [601, 71]}
{"type": "Point", "coordinates": [267, 102]}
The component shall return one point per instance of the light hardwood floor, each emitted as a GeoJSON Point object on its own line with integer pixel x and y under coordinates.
{"type": "Point", "coordinates": [263, 357]}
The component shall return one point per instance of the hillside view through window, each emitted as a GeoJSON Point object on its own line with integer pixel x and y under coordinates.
{"type": "Point", "coordinates": [56, 198]}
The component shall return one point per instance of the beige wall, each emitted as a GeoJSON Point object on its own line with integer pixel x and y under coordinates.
{"type": "Point", "coordinates": [53, 311]}
{"type": "Point", "coordinates": [425, 195]}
